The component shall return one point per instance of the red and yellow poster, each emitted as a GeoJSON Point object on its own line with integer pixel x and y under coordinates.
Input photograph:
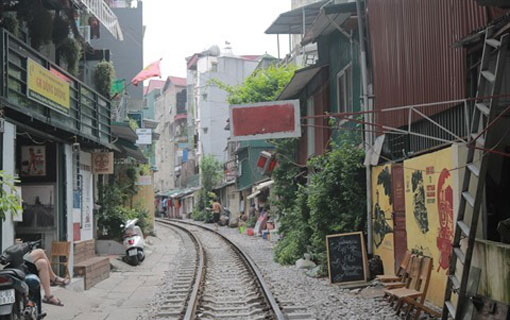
{"type": "Point", "coordinates": [382, 219]}
{"type": "Point", "coordinates": [429, 213]}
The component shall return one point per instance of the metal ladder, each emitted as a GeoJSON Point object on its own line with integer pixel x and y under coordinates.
{"type": "Point", "coordinates": [485, 112]}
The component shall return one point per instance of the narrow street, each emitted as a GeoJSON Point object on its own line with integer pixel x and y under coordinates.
{"type": "Point", "coordinates": [254, 160]}
{"type": "Point", "coordinates": [138, 292]}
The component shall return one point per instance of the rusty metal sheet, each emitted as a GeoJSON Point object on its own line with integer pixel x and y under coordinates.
{"type": "Point", "coordinates": [412, 55]}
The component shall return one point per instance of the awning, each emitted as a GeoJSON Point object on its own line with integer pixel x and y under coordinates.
{"type": "Point", "coordinates": [225, 184]}
{"type": "Point", "coordinates": [291, 22]}
{"type": "Point", "coordinates": [124, 131]}
{"type": "Point", "coordinates": [131, 150]}
{"type": "Point", "coordinates": [328, 19]}
{"type": "Point", "coordinates": [257, 189]}
{"type": "Point", "coordinates": [149, 123]}
{"type": "Point", "coordinates": [299, 81]}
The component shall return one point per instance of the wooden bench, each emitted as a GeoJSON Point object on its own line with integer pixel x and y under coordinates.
{"type": "Point", "coordinates": [92, 268]}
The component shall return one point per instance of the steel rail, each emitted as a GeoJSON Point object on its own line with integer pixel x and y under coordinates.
{"type": "Point", "coordinates": [249, 263]}
{"type": "Point", "coordinates": [192, 304]}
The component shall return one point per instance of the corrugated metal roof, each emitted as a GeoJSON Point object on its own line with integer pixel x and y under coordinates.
{"type": "Point", "coordinates": [291, 22]}
{"type": "Point", "coordinates": [413, 58]}
{"type": "Point", "coordinates": [322, 25]}
{"type": "Point", "coordinates": [299, 81]}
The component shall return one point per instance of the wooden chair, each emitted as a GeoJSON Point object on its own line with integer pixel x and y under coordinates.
{"type": "Point", "coordinates": [400, 272]}
{"type": "Point", "coordinates": [410, 281]}
{"type": "Point", "coordinates": [417, 289]}
{"type": "Point", "coordinates": [60, 254]}
{"type": "Point", "coordinates": [412, 269]}
{"type": "Point", "coordinates": [412, 303]}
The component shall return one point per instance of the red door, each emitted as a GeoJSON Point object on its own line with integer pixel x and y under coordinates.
{"type": "Point", "coordinates": [399, 213]}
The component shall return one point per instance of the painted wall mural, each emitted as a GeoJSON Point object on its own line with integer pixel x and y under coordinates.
{"type": "Point", "coordinates": [429, 213]}
{"type": "Point", "coordinates": [382, 216]}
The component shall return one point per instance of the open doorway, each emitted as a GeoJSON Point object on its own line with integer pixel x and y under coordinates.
{"type": "Point", "coordinates": [37, 166]}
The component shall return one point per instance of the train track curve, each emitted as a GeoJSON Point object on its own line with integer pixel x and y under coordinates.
{"type": "Point", "coordinates": [216, 280]}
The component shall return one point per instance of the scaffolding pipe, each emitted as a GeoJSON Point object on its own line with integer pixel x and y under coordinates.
{"type": "Point", "coordinates": [368, 135]}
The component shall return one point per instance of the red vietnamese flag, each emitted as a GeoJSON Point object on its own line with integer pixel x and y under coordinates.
{"type": "Point", "coordinates": [152, 70]}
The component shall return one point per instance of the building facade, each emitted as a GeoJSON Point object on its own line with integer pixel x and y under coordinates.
{"type": "Point", "coordinates": [169, 123]}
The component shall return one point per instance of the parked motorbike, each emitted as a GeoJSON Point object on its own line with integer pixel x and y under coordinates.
{"type": "Point", "coordinates": [20, 287]}
{"type": "Point", "coordinates": [133, 243]}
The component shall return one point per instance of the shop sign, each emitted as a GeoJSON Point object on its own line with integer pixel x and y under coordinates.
{"type": "Point", "coordinates": [144, 136]}
{"type": "Point", "coordinates": [144, 181]}
{"type": "Point", "coordinates": [231, 169]}
{"type": "Point", "coordinates": [265, 120]}
{"type": "Point", "coordinates": [102, 163]}
{"type": "Point", "coordinates": [46, 88]}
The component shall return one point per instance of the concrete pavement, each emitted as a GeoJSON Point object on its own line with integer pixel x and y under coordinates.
{"type": "Point", "coordinates": [128, 291]}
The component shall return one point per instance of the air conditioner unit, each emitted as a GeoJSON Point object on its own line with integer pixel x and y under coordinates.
{"type": "Point", "coordinates": [85, 32]}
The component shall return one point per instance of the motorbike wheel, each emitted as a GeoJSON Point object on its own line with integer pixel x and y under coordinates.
{"type": "Point", "coordinates": [141, 256]}
{"type": "Point", "coordinates": [133, 260]}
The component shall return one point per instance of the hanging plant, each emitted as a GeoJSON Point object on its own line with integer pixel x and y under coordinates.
{"type": "Point", "coordinates": [60, 29]}
{"type": "Point", "coordinates": [40, 24]}
{"type": "Point", "coordinates": [11, 24]}
{"type": "Point", "coordinates": [104, 76]}
{"type": "Point", "coordinates": [70, 52]}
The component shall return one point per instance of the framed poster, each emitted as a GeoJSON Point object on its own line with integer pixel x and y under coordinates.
{"type": "Point", "coordinates": [33, 161]}
{"type": "Point", "coordinates": [347, 258]}
{"type": "Point", "coordinates": [38, 206]}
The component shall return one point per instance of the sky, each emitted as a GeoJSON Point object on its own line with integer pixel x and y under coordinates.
{"type": "Point", "coordinates": [176, 29]}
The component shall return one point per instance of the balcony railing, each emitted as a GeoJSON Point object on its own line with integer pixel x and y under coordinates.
{"type": "Point", "coordinates": [104, 14]}
{"type": "Point", "coordinates": [89, 113]}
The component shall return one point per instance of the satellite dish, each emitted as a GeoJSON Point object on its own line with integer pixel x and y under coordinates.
{"type": "Point", "coordinates": [214, 51]}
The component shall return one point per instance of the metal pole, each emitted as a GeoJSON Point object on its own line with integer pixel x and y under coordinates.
{"type": "Point", "coordinates": [290, 45]}
{"type": "Point", "coordinates": [278, 44]}
{"type": "Point", "coordinates": [366, 107]}
{"type": "Point", "coordinates": [303, 36]}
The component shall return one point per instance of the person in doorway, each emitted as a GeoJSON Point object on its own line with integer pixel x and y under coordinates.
{"type": "Point", "coordinates": [216, 210]}
{"type": "Point", "coordinates": [47, 276]}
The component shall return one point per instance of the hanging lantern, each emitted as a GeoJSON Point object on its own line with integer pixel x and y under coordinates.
{"type": "Point", "coordinates": [266, 163]}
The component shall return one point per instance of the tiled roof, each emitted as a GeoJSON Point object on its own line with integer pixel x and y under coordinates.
{"type": "Point", "coordinates": [250, 57]}
{"type": "Point", "coordinates": [179, 82]}
{"type": "Point", "coordinates": [153, 84]}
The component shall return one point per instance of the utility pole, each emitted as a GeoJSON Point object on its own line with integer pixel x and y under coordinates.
{"type": "Point", "coordinates": [367, 116]}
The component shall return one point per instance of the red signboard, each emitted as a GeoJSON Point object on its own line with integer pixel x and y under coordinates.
{"type": "Point", "coordinates": [267, 120]}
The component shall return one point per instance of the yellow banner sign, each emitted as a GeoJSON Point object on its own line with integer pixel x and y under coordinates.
{"type": "Point", "coordinates": [46, 88]}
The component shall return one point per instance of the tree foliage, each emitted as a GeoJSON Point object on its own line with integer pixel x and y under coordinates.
{"type": "Point", "coordinates": [262, 85]}
{"type": "Point", "coordinates": [336, 196]}
{"type": "Point", "coordinates": [211, 173]}
{"type": "Point", "coordinates": [10, 200]}
{"type": "Point", "coordinates": [116, 204]}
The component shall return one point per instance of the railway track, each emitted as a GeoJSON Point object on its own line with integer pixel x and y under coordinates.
{"type": "Point", "coordinates": [216, 280]}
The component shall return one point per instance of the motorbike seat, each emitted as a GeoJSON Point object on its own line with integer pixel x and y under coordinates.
{"type": "Point", "coordinates": [13, 273]}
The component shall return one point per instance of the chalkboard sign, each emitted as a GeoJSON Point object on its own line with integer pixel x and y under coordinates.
{"type": "Point", "coordinates": [347, 259]}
